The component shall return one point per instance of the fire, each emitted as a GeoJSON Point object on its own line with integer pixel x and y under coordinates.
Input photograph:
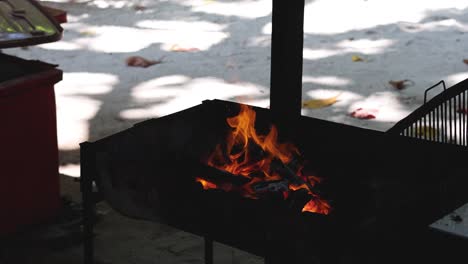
{"type": "Point", "coordinates": [263, 161]}
{"type": "Point", "coordinates": [206, 184]}
{"type": "Point", "coordinates": [317, 206]}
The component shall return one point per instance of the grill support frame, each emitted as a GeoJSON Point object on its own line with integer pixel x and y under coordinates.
{"type": "Point", "coordinates": [287, 43]}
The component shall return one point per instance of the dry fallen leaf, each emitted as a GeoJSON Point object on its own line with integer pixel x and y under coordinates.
{"type": "Point", "coordinates": [88, 33]}
{"type": "Point", "coordinates": [138, 61]}
{"type": "Point", "coordinates": [362, 113]}
{"type": "Point", "coordinates": [400, 84]}
{"type": "Point", "coordinates": [178, 48]}
{"type": "Point", "coordinates": [356, 58]}
{"type": "Point", "coordinates": [320, 103]}
{"type": "Point", "coordinates": [465, 61]}
{"type": "Point", "coordinates": [139, 8]}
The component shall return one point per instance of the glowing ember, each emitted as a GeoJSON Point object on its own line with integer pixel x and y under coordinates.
{"type": "Point", "coordinates": [263, 161]}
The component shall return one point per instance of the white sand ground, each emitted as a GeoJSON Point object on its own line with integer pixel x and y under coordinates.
{"type": "Point", "coordinates": [99, 95]}
{"type": "Point", "coordinates": [424, 41]}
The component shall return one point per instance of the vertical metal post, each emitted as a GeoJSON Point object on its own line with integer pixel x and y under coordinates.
{"type": "Point", "coordinates": [87, 201]}
{"type": "Point", "coordinates": [287, 42]}
{"type": "Point", "coordinates": [208, 250]}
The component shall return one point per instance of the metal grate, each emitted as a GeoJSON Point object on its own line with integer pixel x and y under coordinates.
{"type": "Point", "coordinates": [443, 119]}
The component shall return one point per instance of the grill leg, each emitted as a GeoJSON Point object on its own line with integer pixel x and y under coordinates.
{"type": "Point", "coordinates": [208, 250]}
{"type": "Point", "coordinates": [88, 205]}
{"type": "Point", "coordinates": [275, 253]}
{"type": "Point", "coordinates": [88, 242]}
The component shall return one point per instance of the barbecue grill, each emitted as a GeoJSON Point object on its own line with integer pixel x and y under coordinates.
{"type": "Point", "coordinates": [381, 208]}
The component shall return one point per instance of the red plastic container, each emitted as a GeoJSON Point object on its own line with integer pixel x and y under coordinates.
{"type": "Point", "coordinates": [29, 178]}
{"type": "Point", "coordinates": [58, 14]}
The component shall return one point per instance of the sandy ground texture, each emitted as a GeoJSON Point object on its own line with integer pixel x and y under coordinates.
{"type": "Point", "coordinates": [220, 49]}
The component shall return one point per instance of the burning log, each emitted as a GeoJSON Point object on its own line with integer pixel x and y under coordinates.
{"type": "Point", "coordinates": [218, 176]}
{"type": "Point", "coordinates": [254, 165]}
{"type": "Point", "coordinates": [299, 192]}
{"type": "Point", "coordinates": [286, 172]}
{"type": "Point", "coordinates": [271, 186]}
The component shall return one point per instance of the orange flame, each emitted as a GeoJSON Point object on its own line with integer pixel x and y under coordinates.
{"type": "Point", "coordinates": [317, 206]}
{"type": "Point", "coordinates": [206, 184]}
{"type": "Point", "coordinates": [236, 157]}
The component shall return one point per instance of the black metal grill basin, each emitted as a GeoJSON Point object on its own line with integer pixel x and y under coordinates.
{"type": "Point", "coordinates": [382, 187]}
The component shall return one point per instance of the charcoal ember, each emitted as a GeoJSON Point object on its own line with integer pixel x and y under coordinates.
{"type": "Point", "coordinates": [286, 172]}
{"type": "Point", "coordinates": [294, 163]}
{"type": "Point", "coordinates": [279, 167]}
{"type": "Point", "coordinates": [271, 186]}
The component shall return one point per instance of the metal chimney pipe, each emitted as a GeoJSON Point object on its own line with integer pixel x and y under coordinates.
{"type": "Point", "coordinates": [286, 58]}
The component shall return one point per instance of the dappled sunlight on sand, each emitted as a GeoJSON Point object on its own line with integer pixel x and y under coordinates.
{"type": "Point", "coordinates": [366, 46]}
{"type": "Point", "coordinates": [326, 80]}
{"type": "Point", "coordinates": [186, 26]}
{"type": "Point", "coordinates": [116, 38]}
{"type": "Point", "coordinates": [73, 115]}
{"type": "Point", "coordinates": [433, 26]}
{"type": "Point", "coordinates": [86, 83]}
{"type": "Point", "coordinates": [175, 93]}
{"type": "Point", "coordinates": [223, 52]}
{"type": "Point", "coordinates": [242, 9]}
{"type": "Point", "coordinates": [317, 54]}
{"type": "Point", "coordinates": [74, 106]}
{"type": "Point", "coordinates": [72, 170]}
{"type": "Point", "coordinates": [456, 78]}
{"type": "Point", "coordinates": [62, 45]}
{"type": "Point", "coordinates": [335, 16]}
{"type": "Point", "coordinates": [201, 35]}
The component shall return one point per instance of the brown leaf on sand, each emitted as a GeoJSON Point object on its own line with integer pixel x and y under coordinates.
{"type": "Point", "coordinates": [178, 48]}
{"type": "Point", "coordinates": [138, 61]}
{"type": "Point", "coordinates": [400, 84]}
{"type": "Point", "coordinates": [320, 103]}
{"type": "Point", "coordinates": [88, 33]}
{"type": "Point", "coordinates": [139, 8]}
{"type": "Point", "coordinates": [465, 61]}
{"type": "Point", "coordinates": [362, 113]}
